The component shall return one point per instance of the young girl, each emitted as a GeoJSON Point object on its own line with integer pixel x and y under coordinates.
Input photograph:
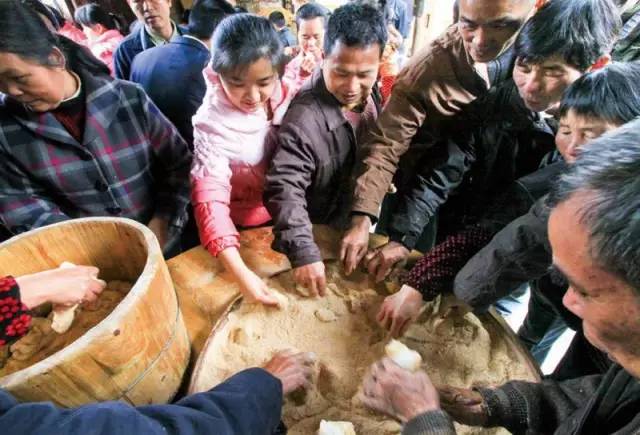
{"type": "Point", "coordinates": [234, 141]}
{"type": "Point", "coordinates": [102, 30]}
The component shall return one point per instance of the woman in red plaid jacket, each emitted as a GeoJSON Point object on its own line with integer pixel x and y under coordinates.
{"type": "Point", "coordinates": [76, 143]}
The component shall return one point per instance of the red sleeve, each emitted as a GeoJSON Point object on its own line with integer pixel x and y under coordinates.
{"type": "Point", "coordinates": [434, 273]}
{"type": "Point", "coordinates": [15, 317]}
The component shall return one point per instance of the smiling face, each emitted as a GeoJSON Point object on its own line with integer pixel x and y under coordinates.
{"type": "Point", "coordinates": [609, 308]}
{"type": "Point", "coordinates": [39, 88]}
{"type": "Point", "coordinates": [350, 72]}
{"type": "Point", "coordinates": [541, 85]}
{"type": "Point", "coordinates": [249, 89]}
{"type": "Point", "coordinates": [156, 14]}
{"type": "Point", "coordinates": [487, 26]}
{"type": "Point", "coordinates": [576, 130]}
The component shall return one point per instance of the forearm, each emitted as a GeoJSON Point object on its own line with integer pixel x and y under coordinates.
{"type": "Point", "coordinates": [430, 423]}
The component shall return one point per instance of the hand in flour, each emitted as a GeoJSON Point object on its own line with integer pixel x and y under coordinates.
{"type": "Point", "coordinates": [254, 289]}
{"type": "Point", "coordinates": [399, 310]}
{"type": "Point", "coordinates": [465, 405]}
{"type": "Point", "coordinates": [63, 286]}
{"type": "Point", "coordinates": [312, 277]}
{"type": "Point", "coordinates": [382, 260]}
{"type": "Point", "coordinates": [398, 392]}
{"type": "Point", "coordinates": [293, 369]}
{"type": "Point", "coordinates": [355, 243]}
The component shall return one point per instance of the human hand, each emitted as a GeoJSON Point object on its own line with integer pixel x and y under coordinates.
{"type": "Point", "coordinates": [355, 243]}
{"type": "Point", "coordinates": [465, 405]}
{"type": "Point", "coordinates": [399, 310]}
{"type": "Point", "coordinates": [308, 64]}
{"type": "Point", "coordinates": [63, 286]}
{"type": "Point", "coordinates": [254, 289]}
{"type": "Point", "coordinates": [402, 394]}
{"type": "Point", "coordinates": [293, 369]}
{"type": "Point", "coordinates": [312, 277]}
{"type": "Point", "coordinates": [380, 261]}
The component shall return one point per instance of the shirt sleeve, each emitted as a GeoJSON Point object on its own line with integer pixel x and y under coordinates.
{"type": "Point", "coordinates": [15, 317]}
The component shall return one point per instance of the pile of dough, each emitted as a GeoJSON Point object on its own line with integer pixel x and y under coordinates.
{"type": "Point", "coordinates": [336, 428]}
{"type": "Point", "coordinates": [403, 356]}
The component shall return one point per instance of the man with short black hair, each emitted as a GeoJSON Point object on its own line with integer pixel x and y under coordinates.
{"type": "Point", "coordinates": [171, 74]}
{"type": "Point", "coordinates": [277, 20]}
{"type": "Point", "coordinates": [594, 230]}
{"type": "Point", "coordinates": [309, 177]}
{"type": "Point", "coordinates": [157, 29]}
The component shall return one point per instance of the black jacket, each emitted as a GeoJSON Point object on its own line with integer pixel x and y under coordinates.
{"type": "Point", "coordinates": [496, 141]}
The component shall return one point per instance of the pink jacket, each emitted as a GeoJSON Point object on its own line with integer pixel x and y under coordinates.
{"type": "Point", "coordinates": [232, 151]}
{"type": "Point", "coordinates": [104, 46]}
{"type": "Point", "coordinates": [73, 33]}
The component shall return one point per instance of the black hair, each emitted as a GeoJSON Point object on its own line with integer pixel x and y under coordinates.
{"type": "Point", "coordinates": [607, 173]}
{"type": "Point", "coordinates": [309, 12]}
{"type": "Point", "coordinates": [356, 25]}
{"type": "Point", "coordinates": [579, 31]}
{"type": "Point", "coordinates": [92, 14]}
{"type": "Point", "coordinates": [277, 18]}
{"type": "Point", "coordinates": [206, 15]}
{"type": "Point", "coordinates": [60, 19]}
{"type": "Point", "coordinates": [611, 93]}
{"type": "Point", "coordinates": [242, 39]}
{"type": "Point", "coordinates": [24, 33]}
{"type": "Point", "coordinates": [45, 11]}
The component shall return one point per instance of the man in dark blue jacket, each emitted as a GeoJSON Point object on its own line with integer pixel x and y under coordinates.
{"type": "Point", "coordinates": [171, 74]}
{"type": "Point", "coordinates": [248, 403]}
{"type": "Point", "coordinates": [154, 28]}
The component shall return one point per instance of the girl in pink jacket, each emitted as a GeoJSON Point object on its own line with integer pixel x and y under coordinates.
{"type": "Point", "coordinates": [234, 139]}
{"type": "Point", "coordinates": [102, 30]}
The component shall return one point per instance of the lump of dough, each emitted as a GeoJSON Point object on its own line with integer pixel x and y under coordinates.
{"type": "Point", "coordinates": [325, 315]}
{"type": "Point", "coordinates": [336, 428]}
{"type": "Point", "coordinates": [283, 300]}
{"type": "Point", "coordinates": [63, 318]}
{"type": "Point", "coordinates": [303, 291]}
{"type": "Point", "coordinates": [403, 356]}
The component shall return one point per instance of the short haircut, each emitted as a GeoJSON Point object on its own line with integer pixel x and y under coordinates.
{"type": "Point", "coordinates": [242, 39]}
{"type": "Point", "coordinates": [206, 15]}
{"type": "Point", "coordinates": [579, 31]}
{"type": "Point", "coordinates": [607, 172]}
{"type": "Point", "coordinates": [277, 18]}
{"type": "Point", "coordinates": [611, 94]}
{"type": "Point", "coordinates": [311, 11]}
{"type": "Point", "coordinates": [356, 25]}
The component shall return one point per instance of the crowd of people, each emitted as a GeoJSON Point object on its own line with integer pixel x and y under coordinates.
{"type": "Point", "coordinates": [505, 150]}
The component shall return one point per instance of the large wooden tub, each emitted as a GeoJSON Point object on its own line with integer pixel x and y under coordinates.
{"type": "Point", "coordinates": [139, 352]}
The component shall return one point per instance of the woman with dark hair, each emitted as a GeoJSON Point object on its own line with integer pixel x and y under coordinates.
{"type": "Point", "coordinates": [103, 31]}
{"type": "Point", "coordinates": [234, 141]}
{"type": "Point", "coordinates": [75, 142]}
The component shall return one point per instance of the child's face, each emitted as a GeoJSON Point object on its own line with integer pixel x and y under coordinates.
{"type": "Point", "coordinates": [541, 85]}
{"type": "Point", "coordinates": [576, 130]}
{"type": "Point", "coordinates": [249, 89]}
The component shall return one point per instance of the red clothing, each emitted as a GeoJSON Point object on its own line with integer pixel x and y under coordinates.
{"type": "Point", "coordinates": [72, 32]}
{"type": "Point", "coordinates": [15, 318]}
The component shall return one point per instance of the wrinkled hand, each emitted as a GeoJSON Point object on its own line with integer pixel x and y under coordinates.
{"type": "Point", "coordinates": [308, 64]}
{"type": "Point", "coordinates": [381, 261]}
{"type": "Point", "coordinates": [63, 286]}
{"type": "Point", "coordinates": [293, 369]}
{"type": "Point", "coordinates": [312, 277]}
{"type": "Point", "coordinates": [355, 243]}
{"type": "Point", "coordinates": [399, 310]}
{"type": "Point", "coordinates": [402, 394]}
{"type": "Point", "coordinates": [465, 406]}
{"type": "Point", "coordinates": [255, 290]}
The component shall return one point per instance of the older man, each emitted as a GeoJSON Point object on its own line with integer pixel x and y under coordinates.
{"type": "Point", "coordinates": [594, 230]}
{"type": "Point", "coordinates": [156, 29]}
{"type": "Point", "coordinates": [436, 85]}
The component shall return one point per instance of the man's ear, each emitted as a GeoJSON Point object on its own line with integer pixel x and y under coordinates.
{"type": "Point", "coordinates": [600, 63]}
{"type": "Point", "coordinates": [57, 58]}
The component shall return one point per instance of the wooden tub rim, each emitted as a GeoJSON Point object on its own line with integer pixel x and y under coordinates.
{"type": "Point", "coordinates": [146, 275]}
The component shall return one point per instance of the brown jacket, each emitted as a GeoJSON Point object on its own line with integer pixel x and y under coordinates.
{"type": "Point", "coordinates": [310, 176]}
{"type": "Point", "coordinates": [437, 84]}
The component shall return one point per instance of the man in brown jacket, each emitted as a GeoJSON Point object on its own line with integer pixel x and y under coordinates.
{"type": "Point", "coordinates": [309, 177]}
{"type": "Point", "coordinates": [436, 85]}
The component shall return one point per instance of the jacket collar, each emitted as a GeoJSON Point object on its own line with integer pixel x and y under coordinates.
{"type": "Point", "coordinates": [147, 42]}
{"type": "Point", "coordinates": [102, 103]}
{"type": "Point", "coordinates": [329, 105]}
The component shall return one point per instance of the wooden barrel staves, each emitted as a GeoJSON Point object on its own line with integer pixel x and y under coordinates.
{"type": "Point", "coordinates": [137, 354]}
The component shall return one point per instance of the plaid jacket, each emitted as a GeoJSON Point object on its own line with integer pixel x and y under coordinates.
{"type": "Point", "coordinates": [131, 163]}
